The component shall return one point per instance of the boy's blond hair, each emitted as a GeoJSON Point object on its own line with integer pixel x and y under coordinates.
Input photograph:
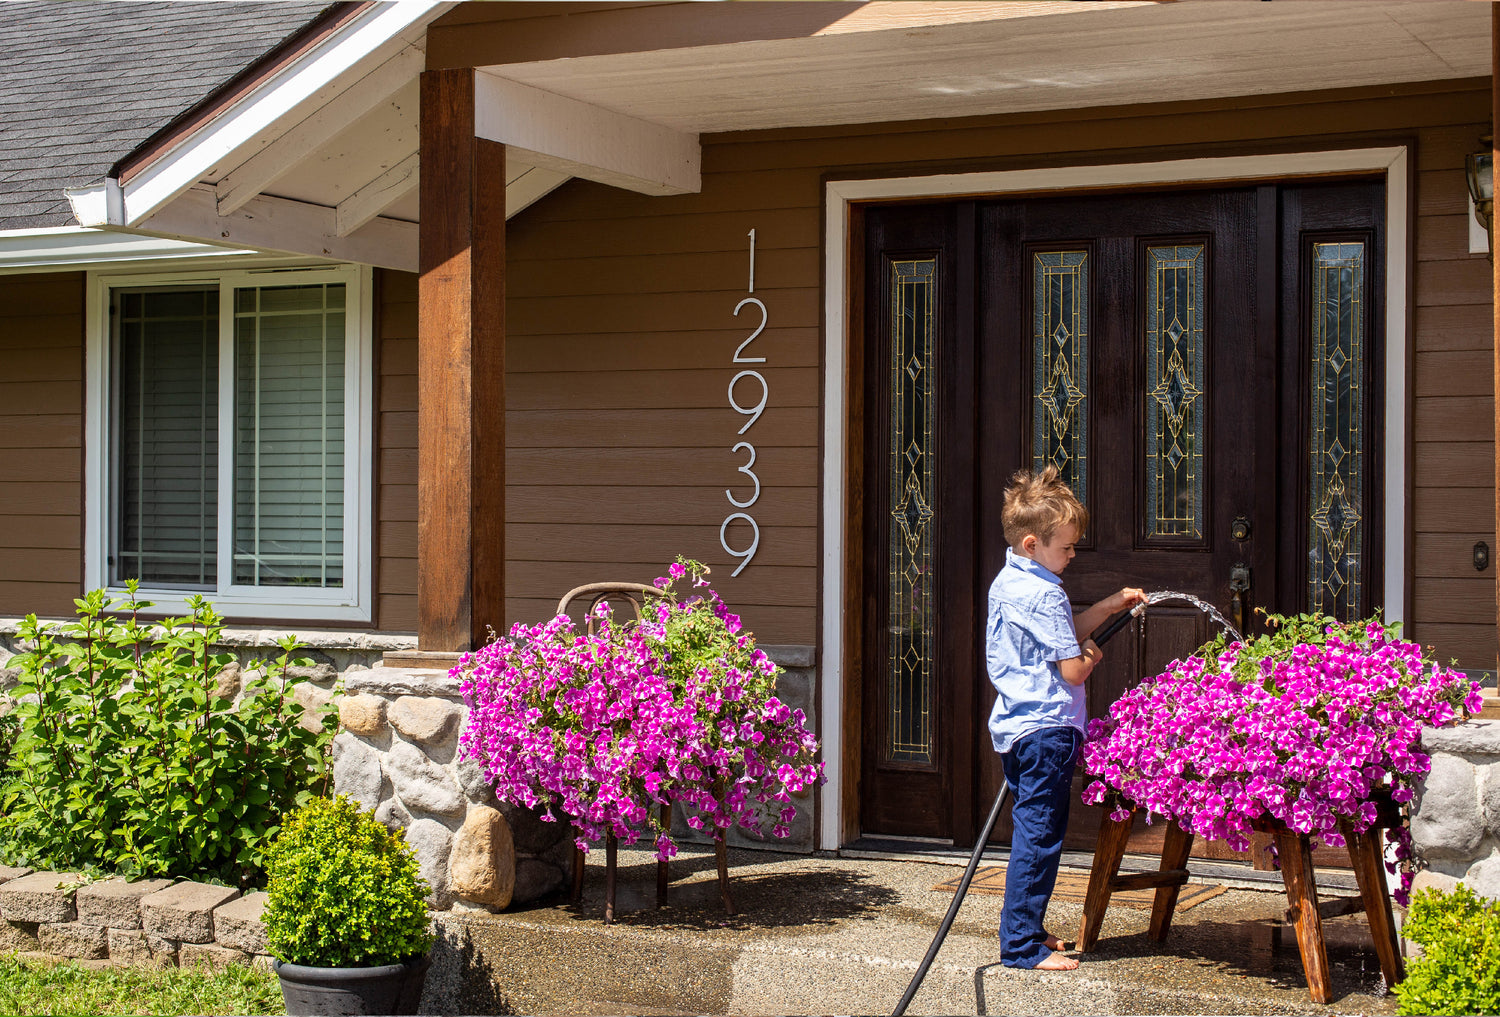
{"type": "Point", "coordinates": [1040, 503]}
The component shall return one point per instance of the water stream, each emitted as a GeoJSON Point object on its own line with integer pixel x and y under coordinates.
{"type": "Point", "coordinates": [1204, 606]}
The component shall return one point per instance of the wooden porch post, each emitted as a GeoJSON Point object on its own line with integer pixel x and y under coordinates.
{"type": "Point", "coordinates": [460, 372]}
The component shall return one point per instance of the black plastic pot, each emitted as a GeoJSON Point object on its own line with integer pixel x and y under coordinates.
{"type": "Point", "coordinates": [387, 989]}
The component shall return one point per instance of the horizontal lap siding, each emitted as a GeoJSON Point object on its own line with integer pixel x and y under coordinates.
{"type": "Point", "coordinates": [396, 439]}
{"type": "Point", "coordinates": [1453, 462]}
{"type": "Point", "coordinates": [621, 332]}
{"type": "Point", "coordinates": [41, 443]}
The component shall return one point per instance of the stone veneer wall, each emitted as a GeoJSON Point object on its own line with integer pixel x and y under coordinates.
{"type": "Point", "coordinates": [150, 921]}
{"type": "Point", "coordinates": [1456, 816]}
{"type": "Point", "coordinates": [397, 755]}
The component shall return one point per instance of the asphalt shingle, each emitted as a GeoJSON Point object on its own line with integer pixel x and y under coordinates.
{"type": "Point", "coordinates": [84, 82]}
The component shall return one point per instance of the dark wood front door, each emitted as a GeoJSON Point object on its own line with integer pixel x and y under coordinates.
{"type": "Point", "coordinates": [1198, 364]}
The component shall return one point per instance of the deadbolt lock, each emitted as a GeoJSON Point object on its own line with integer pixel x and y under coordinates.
{"type": "Point", "coordinates": [1240, 529]}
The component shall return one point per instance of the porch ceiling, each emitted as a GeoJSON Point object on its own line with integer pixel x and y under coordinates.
{"type": "Point", "coordinates": [1096, 55]}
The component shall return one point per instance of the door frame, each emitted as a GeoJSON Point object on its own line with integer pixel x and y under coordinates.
{"type": "Point", "coordinates": [842, 490]}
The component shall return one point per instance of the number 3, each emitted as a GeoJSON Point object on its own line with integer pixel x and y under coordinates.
{"type": "Point", "coordinates": [747, 472]}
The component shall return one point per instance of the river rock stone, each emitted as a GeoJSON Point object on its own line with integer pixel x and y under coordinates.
{"type": "Point", "coordinates": [432, 842]}
{"type": "Point", "coordinates": [393, 815]}
{"type": "Point", "coordinates": [37, 898]}
{"type": "Point", "coordinates": [73, 939]}
{"type": "Point", "coordinates": [421, 783]}
{"type": "Point", "coordinates": [1446, 822]}
{"type": "Point", "coordinates": [425, 719]}
{"type": "Point", "coordinates": [115, 904]}
{"type": "Point", "coordinates": [227, 681]}
{"type": "Point", "coordinates": [362, 714]}
{"type": "Point", "coordinates": [313, 701]}
{"type": "Point", "coordinates": [1484, 877]}
{"type": "Point", "coordinates": [482, 866]}
{"type": "Point", "coordinates": [535, 879]}
{"type": "Point", "coordinates": [1489, 792]}
{"type": "Point", "coordinates": [185, 911]}
{"type": "Point", "coordinates": [472, 782]}
{"type": "Point", "coordinates": [323, 674]}
{"type": "Point", "coordinates": [356, 771]}
{"type": "Point", "coordinates": [9, 677]}
{"type": "Point", "coordinates": [238, 924]}
{"type": "Point", "coordinates": [532, 836]}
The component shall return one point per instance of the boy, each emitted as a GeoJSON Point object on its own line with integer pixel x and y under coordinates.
{"type": "Point", "coordinates": [1038, 668]}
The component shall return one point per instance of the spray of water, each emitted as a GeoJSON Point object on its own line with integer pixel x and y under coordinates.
{"type": "Point", "coordinates": [1204, 606]}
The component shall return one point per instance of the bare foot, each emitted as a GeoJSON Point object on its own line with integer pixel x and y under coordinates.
{"type": "Point", "coordinates": [1057, 962]}
{"type": "Point", "coordinates": [1059, 945]}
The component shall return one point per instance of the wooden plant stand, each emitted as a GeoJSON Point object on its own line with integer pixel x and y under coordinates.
{"type": "Point", "coordinates": [1303, 909]}
{"type": "Point", "coordinates": [611, 861]}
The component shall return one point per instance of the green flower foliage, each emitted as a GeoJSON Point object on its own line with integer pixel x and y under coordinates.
{"type": "Point", "coordinates": [1459, 970]}
{"type": "Point", "coordinates": [344, 890]}
{"type": "Point", "coordinates": [118, 755]}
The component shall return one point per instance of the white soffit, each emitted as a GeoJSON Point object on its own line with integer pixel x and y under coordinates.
{"type": "Point", "coordinates": [1098, 55]}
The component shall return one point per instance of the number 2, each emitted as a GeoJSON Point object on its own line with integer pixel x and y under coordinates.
{"type": "Point", "coordinates": [758, 330]}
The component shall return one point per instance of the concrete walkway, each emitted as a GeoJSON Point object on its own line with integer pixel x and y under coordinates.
{"type": "Point", "coordinates": [822, 935]}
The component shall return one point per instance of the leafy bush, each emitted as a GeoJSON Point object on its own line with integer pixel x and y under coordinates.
{"type": "Point", "coordinates": [124, 759]}
{"type": "Point", "coordinates": [1459, 970]}
{"type": "Point", "coordinates": [344, 891]}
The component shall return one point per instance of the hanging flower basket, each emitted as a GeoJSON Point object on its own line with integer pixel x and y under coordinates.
{"type": "Point", "coordinates": [604, 725]}
{"type": "Point", "coordinates": [1313, 725]}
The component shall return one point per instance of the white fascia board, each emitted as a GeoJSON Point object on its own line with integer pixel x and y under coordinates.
{"type": "Point", "coordinates": [74, 246]}
{"type": "Point", "coordinates": [580, 139]}
{"type": "Point", "coordinates": [290, 96]}
{"type": "Point", "coordinates": [281, 225]}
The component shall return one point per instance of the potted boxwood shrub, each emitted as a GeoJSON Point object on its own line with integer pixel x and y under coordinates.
{"type": "Point", "coordinates": [346, 915]}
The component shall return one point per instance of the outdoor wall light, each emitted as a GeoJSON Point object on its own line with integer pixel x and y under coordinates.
{"type": "Point", "coordinates": [1480, 169]}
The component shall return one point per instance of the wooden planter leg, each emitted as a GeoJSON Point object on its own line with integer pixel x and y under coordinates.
{"type": "Point", "coordinates": [1369, 872]}
{"type": "Point", "coordinates": [611, 858]}
{"type": "Point", "coordinates": [721, 855]}
{"type": "Point", "coordinates": [1174, 855]}
{"type": "Point", "coordinates": [1295, 853]}
{"type": "Point", "coordinates": [661, 863]}
{"type": "Point", "coordinates": [578, 860]}
{"type": "Point", "coordinates": [1107, 855]}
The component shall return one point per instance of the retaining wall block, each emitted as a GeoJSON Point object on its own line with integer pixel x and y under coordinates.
{"type": "Point", "coordinates": [37, 898]}
{"type": "Point", "coordinates": [211, 955]}
{"type": "Point", "coordinates": [73, 939]}
{"type": "Point", "coordinates": [164, 948]}
{"type": "Point", "coordinates": [9, 872]}
{"type": "Point", "coordinates": [115, 903]}
{"type": "Point", "coordinates": [185, 911]}
{"type": "Point", "coordinates": [238, 924]}
{"type": "Point", "coordinates": [129, 946]}
{"type": "Point", "coordinates": [17, 936]}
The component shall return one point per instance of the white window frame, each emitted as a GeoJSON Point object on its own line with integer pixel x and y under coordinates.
{"type": "Point", "coordinates": [353, 602]}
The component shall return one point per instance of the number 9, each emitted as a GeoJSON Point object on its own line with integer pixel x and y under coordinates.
{"type": "Point", "coordinates": [749, 552]}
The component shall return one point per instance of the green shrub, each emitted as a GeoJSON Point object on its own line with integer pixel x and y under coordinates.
{"type": "Point", "coordinates": [1459, 970]}
{"type": "Point", "coordinates": [344, 890]}
{"type": "Point", "coordinates": [123, 759]}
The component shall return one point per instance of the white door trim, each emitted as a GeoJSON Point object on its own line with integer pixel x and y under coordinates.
{"type": "Point", "coordinates": [839, 194]}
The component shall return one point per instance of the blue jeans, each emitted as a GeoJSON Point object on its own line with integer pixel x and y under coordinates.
{"type": "Point", "coordinates": [1039, 769]}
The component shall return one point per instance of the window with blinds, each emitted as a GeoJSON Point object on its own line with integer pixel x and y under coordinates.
{"type": "Point", "coordinates": [228, 471]}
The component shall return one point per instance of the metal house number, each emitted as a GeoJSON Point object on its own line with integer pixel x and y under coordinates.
{"type": "Point", "coordinates": [753, 412]}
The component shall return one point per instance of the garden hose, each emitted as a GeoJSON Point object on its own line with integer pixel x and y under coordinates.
{"type": "Point", "coordinates": [1105, 634]}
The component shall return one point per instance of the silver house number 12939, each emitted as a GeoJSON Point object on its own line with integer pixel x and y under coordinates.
{"type": "Point", "coordinates": [747, 383]}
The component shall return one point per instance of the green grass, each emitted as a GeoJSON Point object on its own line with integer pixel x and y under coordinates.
{"type": "Point", "coordinates": [41, 987]}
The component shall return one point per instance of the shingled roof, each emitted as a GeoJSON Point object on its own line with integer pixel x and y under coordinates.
{"type": "Point", "coordinates": [83, 83]}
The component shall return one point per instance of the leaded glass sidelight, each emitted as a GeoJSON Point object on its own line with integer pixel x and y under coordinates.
{"type": "Point", "coordinates": [1337, 441]}
{"type": "Point", "coordinates": [1174, 389]}
{"type": "Point", "coordinates": [1059, 371]}
{"type": "Point", "coordinates": [910, 657]}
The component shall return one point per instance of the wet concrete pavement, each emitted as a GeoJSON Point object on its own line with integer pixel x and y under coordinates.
{"type": "Point", "coordinates": [824, 935]}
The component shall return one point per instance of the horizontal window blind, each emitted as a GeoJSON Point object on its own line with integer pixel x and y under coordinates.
{"type": "Point", "coordinates": [166, 437]}
{"type": "Point", "coordinates": [289, 435]}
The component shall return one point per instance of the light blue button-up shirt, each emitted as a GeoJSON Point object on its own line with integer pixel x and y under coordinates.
{"type": "Point", "coordinates": [1030, 629]}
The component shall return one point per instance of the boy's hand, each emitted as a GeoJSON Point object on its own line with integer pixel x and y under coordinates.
{"type": "Point", "coordinates": [1129, 597]}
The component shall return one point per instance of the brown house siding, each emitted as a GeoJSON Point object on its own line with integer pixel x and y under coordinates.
{"type": "Point", "coordinates": [621, 335]}
{"type": "Point", "coordinates": [396, 445]}
{"type": "Point", "coordinates": [41, 442]}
